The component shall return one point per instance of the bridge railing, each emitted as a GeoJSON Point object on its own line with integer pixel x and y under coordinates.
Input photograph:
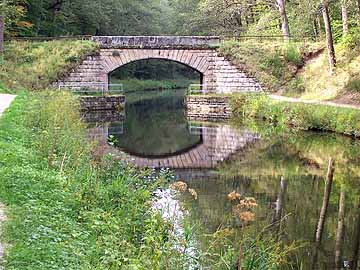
{"type": "Point", "coordinates": [42, 38]}
{"type": "Point", "coordinates": [264, 38]}
{"type": "Point", "coordinates": [206, 89]}
{"type": "Point", "coordinates": [93, 89]}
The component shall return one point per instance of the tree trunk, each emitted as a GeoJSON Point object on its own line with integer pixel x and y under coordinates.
{"type": "Point", "coordinates": [280, 200]}
{"type": "Point", "coordinates": [318, 20]}
{"type": "Point", "coordinates": [284, 19]}
{"type": "Point", "coordinates": [358, 2]}
{"type": "Point", "coordinates": [326, 198]}
{"type": "Point", "coordinates": [340, 230]}
{"type": "Point", "coordinates": [329, 36]}
{"type": "Point", "coordinates": [2, 29]}
{"type": "Point", "coordinates": [355, 256]}
{"type": "Point", "coordinates": [344, 14]}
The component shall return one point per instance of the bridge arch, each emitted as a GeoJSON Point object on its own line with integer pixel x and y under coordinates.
{"type": "Point", "coordinates": [197, 60]}
{"type": "Point", "coordinates": [219, 74]}
{"type": "Point", "coordinates": [192, 68]}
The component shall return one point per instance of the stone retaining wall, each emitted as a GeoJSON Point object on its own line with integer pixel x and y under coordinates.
{"type": "Point", "coordinates": [207, 108]}
{"type": "Point", "coordinates": [102, 103]}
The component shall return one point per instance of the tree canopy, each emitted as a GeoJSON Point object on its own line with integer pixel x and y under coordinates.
{"type": "Point", "coordinates": [180, 17]}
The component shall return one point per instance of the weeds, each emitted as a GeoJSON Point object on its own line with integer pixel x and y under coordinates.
{"type": "Point", "coordinates": [69, 211]}
{"type": "Point", "coordinates": [273, 64]}
{"type": "Point", "coordinates": [303, 116]}
{"type": "Point", "coordinates": [353, 85]}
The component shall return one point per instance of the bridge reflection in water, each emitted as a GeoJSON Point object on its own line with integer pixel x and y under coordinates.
{"type": "Point", "coordinates": [219, 142]}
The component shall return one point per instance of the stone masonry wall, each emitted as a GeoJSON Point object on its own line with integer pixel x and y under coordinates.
{"type": "Point", "coordinates": [207, 108]}
{"type": "Point", "coordinates": [219, 75]}
{"type": "Point", "coordinates": [102, 103]}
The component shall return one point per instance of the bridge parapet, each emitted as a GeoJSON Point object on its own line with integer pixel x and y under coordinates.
{"type": "Point", "coordinates": [156, 42]}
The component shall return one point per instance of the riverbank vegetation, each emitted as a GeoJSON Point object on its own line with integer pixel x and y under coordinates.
{"type": "Point", "coordinates": [297, 115]}
{"type": "Point", "coordinates": [69, 209]}
{"type": "Point", "coordinates": [35, 65]}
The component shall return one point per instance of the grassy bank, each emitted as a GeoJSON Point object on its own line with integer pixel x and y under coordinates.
{"type": "Point", "coordinates": [141, 85]}
{"type": "Point", "coordinates": [274, 64]}
{"type": "Point", "coordinates": [344, 84]}
{"type": "Point", "coordinates": [68, 208]}
{"type": "Point", "coordinates": [298, 115]}
{"type": "Point", "coordinates": [35, 65]}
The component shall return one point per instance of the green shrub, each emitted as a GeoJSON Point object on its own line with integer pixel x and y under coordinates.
{"type": "Point", "coordinates": [353, 85]}
{"type": "Point", "coordinates": [292, 55]}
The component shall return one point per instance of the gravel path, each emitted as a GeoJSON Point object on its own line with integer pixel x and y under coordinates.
{"type": "Point", "coordinates": [5, 101]}
{"type": "Point", "coordinates": [316, 102]}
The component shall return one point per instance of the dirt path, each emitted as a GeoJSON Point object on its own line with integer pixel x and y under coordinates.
{"type": "Point", "coordinates": [5, 101]}
{"type": "Point", "coordinates": [316, 102]}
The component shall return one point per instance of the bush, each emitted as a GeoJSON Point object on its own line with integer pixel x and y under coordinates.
{"type": "Point", "coordinates": [353, 85]}
{"type": "Point", "coordinates": [292, 55]}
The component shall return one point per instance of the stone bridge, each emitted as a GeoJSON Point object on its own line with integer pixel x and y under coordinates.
{"type": "Point", "coordinates": [219, 143]}
{"type": "Point", "coordinates": [199, 53]}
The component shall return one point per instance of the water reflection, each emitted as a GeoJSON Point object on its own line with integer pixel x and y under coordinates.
{"type": "Point", "coordinates": [282, 173]}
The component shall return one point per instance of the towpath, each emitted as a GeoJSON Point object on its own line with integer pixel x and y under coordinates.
{"type": "Point", "coordinates": [315, 102]}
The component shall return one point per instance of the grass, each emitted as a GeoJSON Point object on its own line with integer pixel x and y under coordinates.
{"type": "Point", "coordinates": [319, 84]}
{"type": "Point", "coordinates": [274, 64]}
{"type": "Point", "coordinates": [71, 209]}
{"type": "Point", "coordinates": [303, 116]}
{"type": "Point", "coordinates": [353, 85]}
{"type": "Point", "coordinates": [65, 209]}
{"type": "Point", "coordinates": [140, 85]}
{"type": "Point", "coordinates": [35, 65]}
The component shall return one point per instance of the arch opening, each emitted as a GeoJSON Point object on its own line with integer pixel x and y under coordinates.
{"type": "Point", "coordinates": [155, 74]}
{"type": "Point", "coordinates": [155, 125]}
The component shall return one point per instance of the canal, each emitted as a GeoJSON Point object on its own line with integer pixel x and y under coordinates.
{"type": "Point", "coordinates": [244, 178]}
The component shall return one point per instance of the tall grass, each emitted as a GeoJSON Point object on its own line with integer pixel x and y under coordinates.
{"type": "Point", "coordinates": [274, 64]}
{"type": "Point", "coordinates": [35, 65]}
{"type": "Point", "coordinates": [298, 115]}
{"type": "Point", "coordinates": [69, 210]}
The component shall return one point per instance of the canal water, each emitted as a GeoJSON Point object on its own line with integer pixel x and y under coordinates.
{"type": "Point", "coordinates": [279, 175]}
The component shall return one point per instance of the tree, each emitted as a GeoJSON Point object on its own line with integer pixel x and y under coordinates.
{"type": "Point", "coordinates": [2, 26]}
{"type": "Point", "coordinates": [284, 19]}
{"type": "Point", "coordinates": [329, 36]}
{"type": "Point", "coordinates": [344, 15]}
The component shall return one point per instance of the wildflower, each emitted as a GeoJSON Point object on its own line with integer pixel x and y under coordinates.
{"type": "Point", "coordinates": [179, 186]}
{"type": "Point", "coordinates": [248, 202]}
{"type": "Point", "coordinates": [193, 193]}
{"type": "Point", "coordinates": [247, 216]}
{"type": "Point", "coordinates": [233, 196]}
